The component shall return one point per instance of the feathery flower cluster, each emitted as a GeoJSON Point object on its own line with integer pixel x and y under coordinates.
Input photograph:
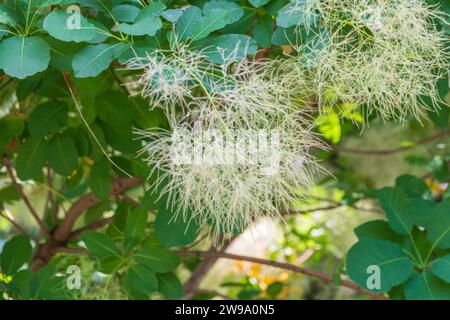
{"type": "Point", "coordinates": [169, 77]}
{"type": "Point", "coordinates": [244, 147]}
{"type": "Point", "coordinates": [383, 55]}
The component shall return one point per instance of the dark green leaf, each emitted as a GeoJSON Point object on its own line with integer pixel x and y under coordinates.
{"type": "Point", "coordinates": [378, 229]}
{"type": "Point", "coordinates": [397, 207]}
{"type": "Point", "coordinates": [100, 244]}
{"type": "Point", "coordinates": [439, 225]}
{"type": "Point", "coordinates": [263, 30]}
{"type": "Point", "coordinates": [100, 180]}
{"type": "Point", "coordinates": [47, 118]}
{"type": "Point", "coordinates": [174, 231]}
{"type": "Point", "coordinates": [141, 279]}
{"type": "Point", "coordinates": [425, 286]}
{"type": "Point", "coordinates": [441, 268]}
{"type": "Point", "coordinates": [62, 154]}
{"type": "Point", "coordinates": [157, 259]}
{"type": "Point", "coordinates": [16, 252]}
{"type": "Point", "coordinates": [170, 286]}
{"type": "Point", "coordinates": [31, 158]}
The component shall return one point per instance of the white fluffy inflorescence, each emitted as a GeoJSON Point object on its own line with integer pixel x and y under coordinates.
{"type": "Point", "coordinates": [240, 152]}
{"type": "Point", "coordinates": [384, 55]}
{"type": "Point", "coordinates": [169, 77]}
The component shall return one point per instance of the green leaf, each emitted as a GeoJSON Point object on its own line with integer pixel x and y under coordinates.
{"type": "Point", "coordinates": [56, 24]}
{"type": "Point", "coordinates": [135, 227]}
{"type": "Point", "coordinates": [147, 21]}
{"type": "Point", "coordinates": [113, 107]}
{"type": "Point", "coordinates": [378, 229]}
{"type": "Point", "coordinates": [422, 211]}
{"type": "Point", "coordinates": [441, 268]}
{"type": "Point", "coordinates": [62, 154]}
{"type": "Point", "coordinates": [425, 286]}
{"type": "Point", "coordinates": [100, 244]}
{"type": "Point", "coordinates": [23, 57]}
{"type": "Point", "coordinates": [274, 289]}
{"type": "Point", "coordinates": [16, 252]}
{"type": "Point", "coordinates": [46, 286]}
{"type": "Point", "coordinates": [100, 180]}
{"type": "Point", "coordinates": [21, 284]}
{"type": "Point", "coordinates": [196, 25]}
{"type": "Point", "coordinates": [412, 186]}
{"type": "Point", "coordinates": [125, 12]}
{"type": "Point", "coordinates": [8, 194]}
{"type": "Point", "coordinates": [31, 157]}
{"type": "Point", "coordinates": [7, 15]}
{"type": "Point", "coordinates": [419, 246]}
{"type": "Point", "coordinates": [170, 286]}
{"type": "Point", "coordinates": [233, 12]}
{"type": "Point", "coordinates": [284, 36]}
{"type": "Point", "coordinates": [397, 207]}
{"type": "Point", "coordinates": [110, 265]}
{"type": "Point", "coordinates": [439, 225]}
{"type": "Point", "coordinates": [258, 3]}
{"type": "Point", "coordinates": [296, 13]}
{"type": "Point", "coordinates": [441, 116]}
{"type": "Point", "coordinates": [157, 258]}
{"type": "Point", "coordinates": [141, 279]}
{"type": "Point", "coordinates": [147, 119]}
{"type": "Point", "coordinates": [263, 30]}
{"type": "Point", "coordinates": [47, 118]}
{"type": "Point", "coordinates": [395, 266]}
{"type": "Point", "coordinates": [227, 48]}
{"type": "Point", "coordinates": [91, 60]}
{"type": "Point", "coordinates": [174, 231]}
{"type": "Point", "coordinates": [10, 127]}
{"type": "Point", "coordinates": [315, 48]}
{"type": "Point", "coordinates": [172, 15]}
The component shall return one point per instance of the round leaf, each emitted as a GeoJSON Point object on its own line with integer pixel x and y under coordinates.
{"type": "Point", "coordinates": [23, 57]}
{"type": "Point", "coordinates": [395, 267]}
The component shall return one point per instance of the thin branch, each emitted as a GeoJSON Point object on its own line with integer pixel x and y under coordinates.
{"type": "Point", "coordinates": [22, 195]}
{"type": "Point", "coordinates": [69, 250]}
{"type": "Point", "coordinates": [384, 152]}
{"type": "Point", "coordinates": [93, 226]}
{"type": "Point", "coordinates": [119, 186]}
{"type": "Point", "coordinates": [50, 202]}
{"type": "Point", "coordinates": [15, 224]}
{"type": "Point", "coordinates": [130, 200]}
{"type": "Point", "coordinates": [331, 207]}
{"type": "Point", "coordinates": [199, 240]}
{"type": "Point", "coordinates": [311, 273]}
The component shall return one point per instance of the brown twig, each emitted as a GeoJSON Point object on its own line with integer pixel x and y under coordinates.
{"type": "Point", "coordinates": [93, 226]}
{"type": "Point", "coordinates": [331, 207]}
{"type": "Point", "coordinates": [130, 200]}
{"type": "Point", "coordinates": [24, 198]}
{"type": "Point", "coordinates": [50, 202]}
{"type": "Point", "coordinates": [384, 152]}
{"type": "Point", "coordinates": [63, 231]}
{"type": "Point", "coordinates": [69, 250]}
{"type": "Point", "coordinates": [311, 273]}
{"type": "Point", "coordinates": [16, 225]}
